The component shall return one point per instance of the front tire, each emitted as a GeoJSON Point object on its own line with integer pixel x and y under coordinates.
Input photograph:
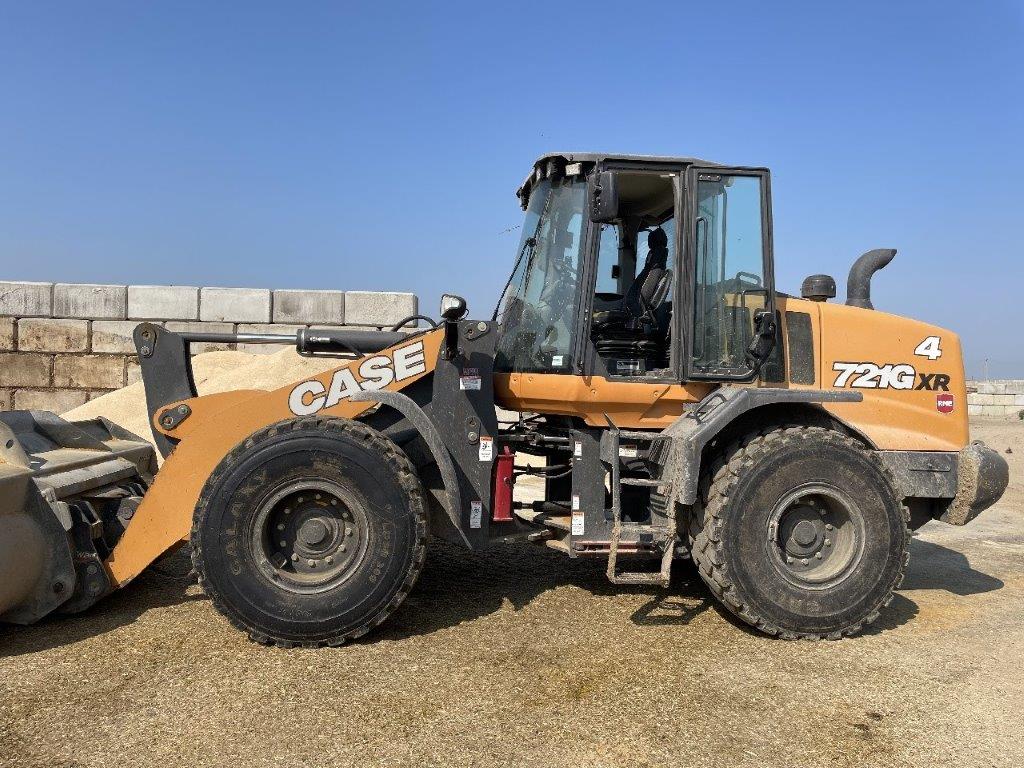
{"type": "Point", "coordinates": [310, 532]}
{"type": "Point", "coordinates": [799, 532]}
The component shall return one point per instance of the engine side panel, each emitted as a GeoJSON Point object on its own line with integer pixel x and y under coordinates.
{"type": "Point", "coordinates": [910, 373]}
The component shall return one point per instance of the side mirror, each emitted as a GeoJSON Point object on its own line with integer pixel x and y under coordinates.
{"type": "Point", "coordinates": [763, 342]}
{"type": "Point", "coordinates": [603, 197]}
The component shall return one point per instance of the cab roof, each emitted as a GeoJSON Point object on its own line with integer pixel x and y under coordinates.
{"type": "Point", "coordinates": [541, 168]}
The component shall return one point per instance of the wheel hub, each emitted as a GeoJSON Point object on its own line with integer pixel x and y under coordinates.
{"type": "Point", "coordinates": [308, 536]}
{"type": "Point", "coordinates": [815, 535]}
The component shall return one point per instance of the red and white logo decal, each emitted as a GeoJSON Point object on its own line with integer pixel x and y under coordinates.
{"type": "Point", "coordinates": [944, 403]}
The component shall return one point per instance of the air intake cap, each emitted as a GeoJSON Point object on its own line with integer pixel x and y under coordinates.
{"type": "Point", "coordinates": [818, 288]}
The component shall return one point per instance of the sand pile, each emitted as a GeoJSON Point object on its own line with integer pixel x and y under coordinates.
{"type": "Point", "coordinates": [213, 372]}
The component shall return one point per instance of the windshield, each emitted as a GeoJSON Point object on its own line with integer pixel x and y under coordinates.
{"type": "Point", "coordinates": [538, 310]}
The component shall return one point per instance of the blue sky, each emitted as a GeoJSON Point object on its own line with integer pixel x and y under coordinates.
{"type": "Point", "coordinates": [378, 146]}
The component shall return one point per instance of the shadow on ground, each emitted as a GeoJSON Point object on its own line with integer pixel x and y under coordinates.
{"type": "Point", "coordinates": [163, 584]}
{"type": "Point", "coordinates": [458, 586]}
{"type": "Point", "coordinates": [933, 566]}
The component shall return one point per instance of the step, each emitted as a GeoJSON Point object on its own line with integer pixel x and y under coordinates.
{"type": "Point", "coordinates": [546, 519]}
{"type": "Point", "coordinates": [642, 482]}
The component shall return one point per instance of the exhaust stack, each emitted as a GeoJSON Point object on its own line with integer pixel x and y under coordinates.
{"type": "Point", "coordinates": [858, 284]}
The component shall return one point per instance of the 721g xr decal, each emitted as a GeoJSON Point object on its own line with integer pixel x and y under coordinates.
{"type": "Point", "coordinates": [888, 376]}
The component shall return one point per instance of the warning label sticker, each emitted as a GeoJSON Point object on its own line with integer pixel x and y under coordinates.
{"type": "Point", "coordinates": [476, 513]}
{"type": "Point", "coordinates": [486, 449]}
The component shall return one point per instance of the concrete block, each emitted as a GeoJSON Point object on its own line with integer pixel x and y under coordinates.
{"type": "Point", "coordinates": [985, 387]}
{"type": "Point", "coordinates": [163, 302]}
{"type": "Point", "coordinates": [378, 308]}
{"type": "Point", "coordinates": [6, 333]}
{"type": "Point", "coordinates": [48, 334]}
{"type": "Point", "coordinates": [24, 369]}
{"type": "Point", "coordinates": [309, 307]}
{"type": "Point", "coordinates": [56, 400]}
{"type": "Point", "coordinates": [6, 400]}
{"type": "Point", "coordinates": [974, 410]}
{"type": "Point", "coordinates": [993, 410]}
{"type": "Point", "coordinates": [106, 302]}
{"type": "Point", "coordinates": [133, 371]}
{"type": "Point", "coordinates": [114, 336]}
{"type": "Point", "coordinates": [18, 299]}
{"type": "Point", "coordinates": [266, 349]}
{"type": "Point", "coordinates": [94, 393]}
{"type": "Point", "coordinates": [1002, 399]}
{"type": "Point", "coordinates": [1018, 399]}
{"type": "Point", "coordinates": [981, 399]}
{"type": "Point", "coordinates": [235, 305]}
{"type": "Point", "coordinates": [204, 328]}
{"type": "Point", "coordinates": [88, 371]}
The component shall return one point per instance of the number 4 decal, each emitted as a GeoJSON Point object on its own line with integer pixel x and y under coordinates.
{"type": "Point", "coordinates": [929, 348]}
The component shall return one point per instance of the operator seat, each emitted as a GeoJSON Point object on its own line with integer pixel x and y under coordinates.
{"type": "Point", "coordinates": [648, 290]}
{"type": "Point", "coordinates": [632, 328]}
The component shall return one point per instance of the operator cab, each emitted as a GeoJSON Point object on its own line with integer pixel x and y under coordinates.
{"type": "Point", "coordinates": [640, 268]}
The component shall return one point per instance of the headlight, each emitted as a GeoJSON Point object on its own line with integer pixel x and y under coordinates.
{"type": "Point", "coordinates": [453, 307]}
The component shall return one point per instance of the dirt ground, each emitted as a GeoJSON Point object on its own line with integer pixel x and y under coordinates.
{"type": "Point", "coordinates": [522, 657]}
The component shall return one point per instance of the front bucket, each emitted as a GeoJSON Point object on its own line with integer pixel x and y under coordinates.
{"type": "Point", "coordinates": [67, 491]}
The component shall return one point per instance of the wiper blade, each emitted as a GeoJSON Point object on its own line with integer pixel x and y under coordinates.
{"type": "Point", "coordinates": [530, 244]}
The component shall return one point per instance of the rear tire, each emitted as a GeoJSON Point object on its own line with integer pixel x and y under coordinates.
{"type": "Point", "coordinates": [798, 531]}
{"type": "Point", "coordinates": [310, 532]}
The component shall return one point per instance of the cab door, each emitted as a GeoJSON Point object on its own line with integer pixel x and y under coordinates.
{"type": "Point", "coordinates": [729, 279]}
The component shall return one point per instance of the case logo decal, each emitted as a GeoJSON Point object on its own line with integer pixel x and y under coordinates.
{"type": "Point", "coordinates": [375, 372]}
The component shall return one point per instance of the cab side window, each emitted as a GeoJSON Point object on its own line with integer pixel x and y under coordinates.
{"type": "Point", "coordinates": [729, 271]}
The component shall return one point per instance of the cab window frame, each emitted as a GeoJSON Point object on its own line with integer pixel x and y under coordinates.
{"type": "Point", "coordinates": [687, 297]}
{"type": "Point", "coordinates": [587, 362]}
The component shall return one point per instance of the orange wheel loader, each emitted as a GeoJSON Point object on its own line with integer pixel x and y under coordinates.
{"type": "Point", "coordinates": [673, 403]}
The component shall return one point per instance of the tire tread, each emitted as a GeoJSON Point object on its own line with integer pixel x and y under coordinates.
{"type": "Point", "coordinates": [410, 483]}
{"type": "Point", "coordinates": [708, 515]}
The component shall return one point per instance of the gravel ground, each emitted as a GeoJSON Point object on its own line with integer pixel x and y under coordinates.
{"type": "Point", "coordinates": [519, 656]}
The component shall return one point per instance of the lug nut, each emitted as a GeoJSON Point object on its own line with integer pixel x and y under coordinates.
{"type": "Point", "coordinates": [280, 526]}
{"type": "Point", "coordinates": [828, 542]}
{"type": "Point", "coordinates": [804, 561]}
{"type": "Point", "coordinates": [284, 543]}
{"type": "Point", "coordinates": [789, 559]}
{"type": "Point", "coordinates": [818, 555]}
{"type": "Point", "coordinates": [828, 526]}
{"type": "Point", "coordinates": [287, 510]}
{"type": "Point", "coordinates": [295, 557]}
{"type": "Point", "coordinates": [299, 500]}
{"type": "Point", "coordinates": [334, 502]}
{"type": "Point", "coordinates": [317, 497]}
{"type": "Point", "coordinates": [329, 559]}
{"type": "Point", "coordinates": [311, 563]}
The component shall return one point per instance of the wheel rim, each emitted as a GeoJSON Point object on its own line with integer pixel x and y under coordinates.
{"type": "Point", "coordinates": [309, 536]}
{"type": "Point", "coordinates": [816, 536]}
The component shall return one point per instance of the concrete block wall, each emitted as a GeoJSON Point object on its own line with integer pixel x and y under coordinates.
{"type": "Point", "coordinates": [1002, 397]}
{"type": "Point", "coordinates": [62, 344]}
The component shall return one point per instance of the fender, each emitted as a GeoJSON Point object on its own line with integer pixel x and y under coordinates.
{"type": "Point", "coordinates": [696, 428]}
{"type": "Point", "coordinates": [416, 416]}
